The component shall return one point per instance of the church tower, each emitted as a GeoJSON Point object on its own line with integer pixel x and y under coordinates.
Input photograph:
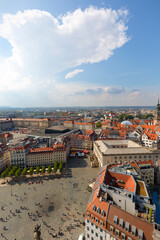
{"type": "Point", "coordinates": [157, 114]}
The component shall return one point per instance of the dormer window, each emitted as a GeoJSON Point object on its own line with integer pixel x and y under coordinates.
{"type": "Point", "coordinates": [127, 226]}
{"type": "Point", "coordinates": [140, 234]}
{"type": "Point", "coordinates": [134, 230]}
{"type": "Point", "coordinates": [88, 215]}
{"type": "Point", "coordinates": [98, 210]}
{"type": "Point", "coordinates": [101, 223]}
{"type": "Point", "coordinates": [117, 232]}
{"type": "Point", "coordinates": [92, 217]}
{"type": "Point", "coordinates": [97, 220]}
{"type": "Point", "coordinates": [103, 213]}
{"type": "Point", "coordinates": [115, 219]}
{"type": "Point", "coordinates": [94, 208]}
{"type": "Point", "coordinates": [121, 222]}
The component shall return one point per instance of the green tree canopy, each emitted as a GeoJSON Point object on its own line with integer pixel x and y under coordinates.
{"type": "Point", "coordinates": [37, 169]}
{"type": "Point", "coordinates": [43, 169]}
{"type": "Point", "coordinates": [11, 173]}
{"type": "Point", "coordinates": [31, 171]}
{"type": "Point", "coordinates": [3, 175]}
{"type": "Point", "coordinates": [61, 166]}
{"type": "Point", "coordinates": [98, 124]}
{"type": "Point", "coordinates": [49, 169]}
{"type": "Point", "coordinates": [18, 172]}
{"type": "Point", "coordinates": [55, 166]}
{"type": "Point", "coordinates": [24, 172]}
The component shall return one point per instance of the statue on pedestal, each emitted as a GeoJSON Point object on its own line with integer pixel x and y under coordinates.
{"type": "Point", "coordinates": [37, 232]}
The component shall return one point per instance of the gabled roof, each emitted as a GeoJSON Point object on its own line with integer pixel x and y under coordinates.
{"type": "Point", "coordinates": [119, 180]}
{"type": "Point", "coordinates": [139, 223]}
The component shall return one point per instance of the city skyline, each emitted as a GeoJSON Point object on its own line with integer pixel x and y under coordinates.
{"type": "Point", "coordinates": [83, 53]}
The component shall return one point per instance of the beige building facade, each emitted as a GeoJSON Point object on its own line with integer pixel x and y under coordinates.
{"type": "Point", "coordinates": [122, 151]}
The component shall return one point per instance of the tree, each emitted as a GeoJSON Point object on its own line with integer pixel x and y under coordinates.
{"type": "Point", "coordinates": [49, 169]}
{"type": "Point", "coordinates": [61, 166]}
{"type": "Point", "coordinates": [55, 166]}
{"type": "Point", "coordinates": [18, 172]}
{"type": "Point", "coordinates": [24, 172]}
{"type": "Point", "coordinates": [121, 117]}
{"type": "Point", "coordinates": [3, 175]}
{"type": "Point", "coordinates": [31, 171]}
{"type": "Point", "coordinates": [98, 124]}
{"type": "Point", "coordinates": [43, 169]}
{"type": "Point", "coordinates": [11, 173]}
{"type": "Point", "coordinates": [37, 170]}
{"type": "Point", "coordinates": [8, 170]}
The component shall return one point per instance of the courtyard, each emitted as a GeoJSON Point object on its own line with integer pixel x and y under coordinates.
{"type": "Point", "coordinates": [58, 204]}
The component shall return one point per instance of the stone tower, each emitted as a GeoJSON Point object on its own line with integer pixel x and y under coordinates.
{"type": "Point", "coordinates": [157, 114]}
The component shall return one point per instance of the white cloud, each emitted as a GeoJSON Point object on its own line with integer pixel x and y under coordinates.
{"type": "Point", "coordinates": [73, 73]}
{"type": "Point", "coordinates": [43, 45]}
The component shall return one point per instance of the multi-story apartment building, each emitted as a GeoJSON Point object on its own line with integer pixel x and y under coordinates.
{"type": "Point", "coordinates": [146, 171]}
{"type": "Point", "coordinates": [5, 137]}
{"type": "Point", "coordinates": [1, 162]}
{"type": "Point", "coordinates": [122, 151]}
{"type": "Point", "coordinates": [59, 152]}
{"type": "Point", "coordinates": [83, 141]}
{"type": "Point", "coordinates": [40, 157]}
{"type": "Point", "coordinates": [120, 208]}
{"type": "Point", "coordinates": [46, 155]}
{"type": "Point", "coordinates": [5, 158]}
{"type": "Point", "coordinates": [25, 122]}
{"type": "Point", "coordinates": [18, 156]}
{"type": "Point", "coordinates": [66, 141]}
{"type": "Point", "coordinates": [6, 124]}
{"type": "Point", "coordinates": [150, 140]}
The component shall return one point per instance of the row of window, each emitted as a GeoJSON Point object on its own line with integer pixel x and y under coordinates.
{"type": "Point", "coordinates": [92, 238]}
{"type": "Point", "coordinates": [127, 227]}
{"type": "Point", "coordinates": [130, 157]}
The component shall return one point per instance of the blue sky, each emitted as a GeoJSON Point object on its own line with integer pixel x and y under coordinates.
{"type": "Point", "coordinates": [79, 53]}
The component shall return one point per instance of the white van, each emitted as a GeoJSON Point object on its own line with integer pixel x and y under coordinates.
{"type": "Point", "coordinates": [81, 237]}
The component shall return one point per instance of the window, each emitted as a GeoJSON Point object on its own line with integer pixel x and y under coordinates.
{"type": "Point", "coordinates": [101, 238]}
{"type": "Point", "coordinates": [140, 234]}
{"type": "Point", "coordinates": [92, 231]}
{"type": "Point", "coordinates": [115, 219]}
{"type": "Point", "coordinates": [88, 215]}
{"type": "Point", "coordinates": [96, 227]}
{"type": "Point", "coordinates": [101, 223]}
{"type": "Point", "coordinates": [111, 229]}
{"type": "Point", "coordinates": [96, 234]}
{"type": "Point", "coordinates": [117, 232]}
{"type": "Point", "coordinates": [97, 221]}
{"type": "Point", "coordinates": [92, 217]}
{"type": "Point", "coordinates": [123, 236]}
{"type": "Point", "coordinates": [121, 222]}
{"type": "Point", "coordinates": [129, 238]}
{"type": "Point", "coordinates": [103, 213]}
{"type": "Point", "coordinates": [87, 221]}
{"type": "Point", "coordinates": [94, 208]}
{"type": "Point", "coordinates": [127, 226]}
{"type": "Point", "coordinates": [91, 224]}
{"type": "Point", "coordinates": [101, 230]}
{"type": "Point", "coordinates": [98, 210]}
{"type": "Point", "coordinates": [88, 228]}
{"type": "Point", "coordinates": [134, 230]}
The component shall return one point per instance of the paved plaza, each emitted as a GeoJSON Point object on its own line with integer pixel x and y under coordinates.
{"type": "Point", "coordinates": [57, 204]}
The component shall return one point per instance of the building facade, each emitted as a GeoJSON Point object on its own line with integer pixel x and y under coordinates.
{"type": "Point", "coordinates": [122, 151]}
{"type": "Point", "coordinates": [116, 209]}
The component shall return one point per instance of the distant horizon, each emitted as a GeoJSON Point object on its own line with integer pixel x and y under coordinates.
{"type": "Point", "coordinates": [62, 107]}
